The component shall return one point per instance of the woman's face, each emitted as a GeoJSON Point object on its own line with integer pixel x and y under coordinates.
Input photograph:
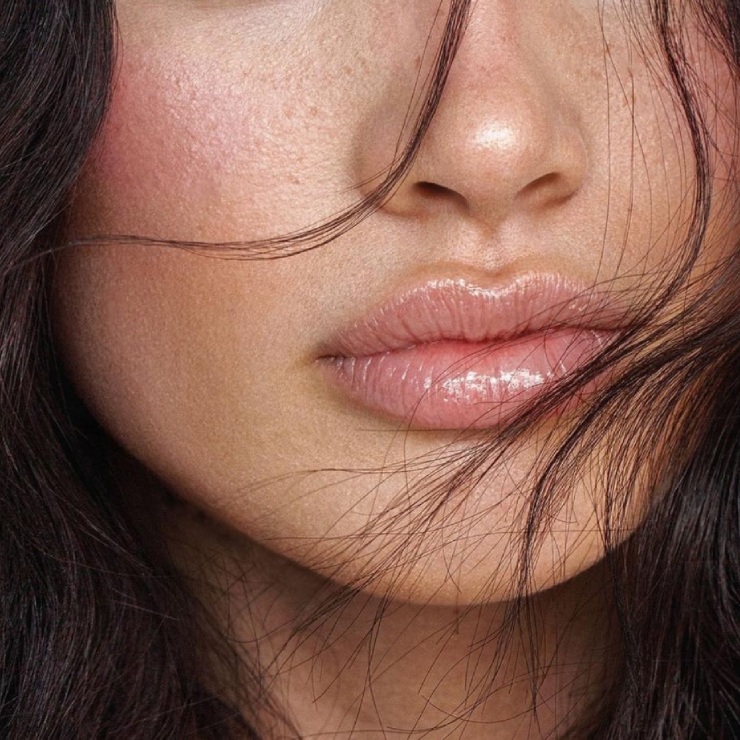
{"type": "Point", "coordinates": [297, 399]}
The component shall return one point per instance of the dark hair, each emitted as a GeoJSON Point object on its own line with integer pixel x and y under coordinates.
{"type": "Point", "coordinates": [99, 635]}
{"type": "Point", "coordinates": [94, 634]}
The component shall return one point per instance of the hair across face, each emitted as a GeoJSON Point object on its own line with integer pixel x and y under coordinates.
{"type": "Point", "coordinates": [559, 163]}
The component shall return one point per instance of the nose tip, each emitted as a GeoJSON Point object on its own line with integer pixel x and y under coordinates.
{"type": "Point", "coordinates": [537, 160]}
{"type": "Point", "coordinates": [504, 139]}
{"type": "Point", "coordinates": [497, 159]}
{"type": "Point", "coordinates": [525, 156]}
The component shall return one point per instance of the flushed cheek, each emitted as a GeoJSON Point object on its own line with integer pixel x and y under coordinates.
{"type": "Point", "coordinates": [193, 153]}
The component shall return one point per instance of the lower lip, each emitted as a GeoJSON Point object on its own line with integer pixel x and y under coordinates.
{"type": "Point", "coordinates": [463, 385]}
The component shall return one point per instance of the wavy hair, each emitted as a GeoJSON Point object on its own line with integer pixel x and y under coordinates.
{"type": "Point", "coordinates": [99, 634]}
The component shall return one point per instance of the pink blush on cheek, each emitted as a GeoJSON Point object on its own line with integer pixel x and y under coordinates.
{"type": "Point", "coordinates": [166, 161]}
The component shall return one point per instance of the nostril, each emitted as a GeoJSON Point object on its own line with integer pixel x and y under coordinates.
{"type": "Point", "coordinates": [552, 187]}
{"type": "Point", "coordinates": [435, 192]}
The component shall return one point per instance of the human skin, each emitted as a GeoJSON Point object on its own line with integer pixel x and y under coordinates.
{"type": "Point", "coordinates": [557, 148]}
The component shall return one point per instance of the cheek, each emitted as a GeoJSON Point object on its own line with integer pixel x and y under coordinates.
{"type": "Point", "coordinates": [180, 358]}
{"type": "Point", "coordinates": [163, 165]}
{"type": "Point", "coordinates": [195, 153]}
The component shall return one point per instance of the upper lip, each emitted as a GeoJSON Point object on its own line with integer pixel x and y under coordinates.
{"type": "Point", "coordinates": [457, 309]}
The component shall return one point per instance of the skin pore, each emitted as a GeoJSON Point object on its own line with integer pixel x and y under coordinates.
{"type": "Point", "coordinates": [558, 148]}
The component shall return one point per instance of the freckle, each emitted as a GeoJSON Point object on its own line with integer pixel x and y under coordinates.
{"type": "Point", "coordinates": [313, 111]}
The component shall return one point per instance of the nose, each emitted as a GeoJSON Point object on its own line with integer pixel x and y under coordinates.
{"type": "Point", "coordinates": [505, 139]}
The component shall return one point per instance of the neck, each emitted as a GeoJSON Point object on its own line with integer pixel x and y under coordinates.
{"type": "Point", "coordinates": [341, 663]}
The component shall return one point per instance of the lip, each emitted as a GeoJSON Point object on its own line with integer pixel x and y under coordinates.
{"type": "Point", "coordinates": [455, 354]}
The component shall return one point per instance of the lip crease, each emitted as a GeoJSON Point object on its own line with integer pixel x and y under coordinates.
{"type": "Point", "coordinates": [453, 354]}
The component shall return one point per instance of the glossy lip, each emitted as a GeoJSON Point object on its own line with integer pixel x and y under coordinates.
{"type": "Point", "coordinates": [453, 354]}
{"type": "Point", "coordinates": [457, 309]}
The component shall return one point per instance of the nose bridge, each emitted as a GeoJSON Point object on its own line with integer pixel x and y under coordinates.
{"type": "Point", "coordinates": [502, 135]}
{"type": "Point", "coordinates": [497, 79]}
